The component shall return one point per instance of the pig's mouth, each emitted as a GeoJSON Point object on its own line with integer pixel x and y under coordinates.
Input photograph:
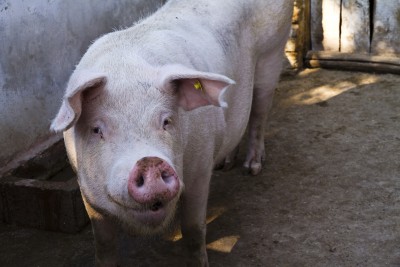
{"type": "Point", "coordinates": [152, 215]}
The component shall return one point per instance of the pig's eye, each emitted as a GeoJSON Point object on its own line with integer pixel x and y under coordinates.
{"type": "Point", "coordinates": [97, 130]}
{"type": "Point", "coordinates": [166, 123]}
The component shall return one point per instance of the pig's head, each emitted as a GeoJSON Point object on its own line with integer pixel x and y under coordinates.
{"type": "Point", "coordinates": [124, 137]}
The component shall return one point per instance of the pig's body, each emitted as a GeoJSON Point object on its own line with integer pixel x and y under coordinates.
{"type": "Point", "coordinates": [142, 138]}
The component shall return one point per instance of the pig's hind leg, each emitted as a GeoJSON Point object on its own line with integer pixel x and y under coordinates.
{"type": "Point", "coordinates": [267, 73]}
{"type": "Point", "coordinates": [229, 161]}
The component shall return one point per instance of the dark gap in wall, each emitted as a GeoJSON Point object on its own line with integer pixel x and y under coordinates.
{"type": "Point", "coordinates": [371, 22]}
{"type": "Point", "coordinates": [340, 26]}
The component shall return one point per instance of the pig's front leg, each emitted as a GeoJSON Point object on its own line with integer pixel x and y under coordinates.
{"type": "Point", "coordinates": [105, 238]}
{"type": "Point", "coordinates": [105, 235]}
{"type": "Point", "coordinates": [193, 218]}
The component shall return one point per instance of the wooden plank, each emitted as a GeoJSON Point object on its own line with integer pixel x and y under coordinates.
{"type": "Point", "coordinates": [386, 34]}
{"type": "Point", "coordinates": [355, 28]}
{"type": "Point", "coordinates": [353, 66]}
{"type": "Point", "coordinates": [352, 57]}
{"type": "Point", "coordinates": [353, 62]}
{"type": "Point", "coordinates": [331, 24]}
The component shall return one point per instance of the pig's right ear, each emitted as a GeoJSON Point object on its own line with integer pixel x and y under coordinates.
{"type": "Point", "coordinates": [71, 106]}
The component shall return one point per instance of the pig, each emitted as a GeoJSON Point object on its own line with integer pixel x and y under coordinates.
{"type": "Point", "coordinates": [150, 110]}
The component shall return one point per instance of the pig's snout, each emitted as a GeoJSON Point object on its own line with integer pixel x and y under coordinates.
{"type": "Point", "coordinates": [152, 183]}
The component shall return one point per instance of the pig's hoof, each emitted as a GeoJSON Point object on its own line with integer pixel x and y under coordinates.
{"type": "Point", "coordinates": [252, 168]}
{"type": "Point", "coordinates": [255, 168]}
{"type": "Point", "coordinates": [219, 166]}
{"type": "Point", "coordinates": [228, 165]}
{"type": "Point", "coordinates": [230, 160]}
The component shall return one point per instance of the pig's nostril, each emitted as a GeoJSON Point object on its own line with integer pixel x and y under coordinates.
{"type": "Point", "coordinates": [140, 181]}
{"type": "Point", "coordinates": [156, 206]}
{"type": "Point", "coordinates": [166, 177]}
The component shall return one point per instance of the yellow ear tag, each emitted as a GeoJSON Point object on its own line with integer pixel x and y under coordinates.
{"type": "Point", "coordinates": [197, 86]}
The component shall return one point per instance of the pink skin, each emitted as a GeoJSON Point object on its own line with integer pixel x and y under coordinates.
{"type": "Point", "coordinates": [153, 183]}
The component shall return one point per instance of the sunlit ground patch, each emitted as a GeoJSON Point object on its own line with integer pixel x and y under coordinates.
{"type": "Point", "coordinates": [213, 214]}
{"type": "Point", "coordinates": [327, 91]}
{"type": "Point", "coordinates": [224, 244]}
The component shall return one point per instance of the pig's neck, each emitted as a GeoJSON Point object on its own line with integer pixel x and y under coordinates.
{"type": "Point", "coordinates": [205, 126]}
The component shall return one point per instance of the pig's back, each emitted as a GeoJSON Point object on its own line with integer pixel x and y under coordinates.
{"type": "Point", "coordinates": [236, 20]}
{"type": "Point", "coordinates": [206, 35]}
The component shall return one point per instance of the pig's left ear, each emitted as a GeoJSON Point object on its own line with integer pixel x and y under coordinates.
{"type": "Point", "coordinates": [195, 88]}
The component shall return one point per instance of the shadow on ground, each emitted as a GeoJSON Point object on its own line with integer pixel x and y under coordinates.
{"type": "Point", "coordinates": [329, 194]}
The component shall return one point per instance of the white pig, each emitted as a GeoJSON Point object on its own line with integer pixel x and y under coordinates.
{"type": "Point", "coordinates": [150, 110]}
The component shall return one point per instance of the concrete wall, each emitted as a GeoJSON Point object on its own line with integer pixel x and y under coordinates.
{"type": "Point", "coordinates": [40, 43]}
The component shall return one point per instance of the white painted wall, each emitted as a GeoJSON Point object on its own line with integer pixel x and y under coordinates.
{"type": "Point", "coordinates": [40, 43]}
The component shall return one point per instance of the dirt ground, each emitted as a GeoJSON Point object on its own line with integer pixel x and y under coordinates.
{"type": "Point", "coordinates": [329, 194]}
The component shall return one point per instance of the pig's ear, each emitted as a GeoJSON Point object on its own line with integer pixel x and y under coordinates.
{"type": "Point", "coordinates": [71, 106]}
{"type": "Point", "coordinates": [195, 88]}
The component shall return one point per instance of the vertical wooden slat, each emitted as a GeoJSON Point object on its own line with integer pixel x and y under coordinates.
{"type": "Point", "coordinates": [317, 34]}
{"type": "Point", "coordinates": [331, 24]}
{"type": "Point", "coordinates": [386, 34]}
{"type": "Point", "coordinates": [355, 28]}
{"type": "Point", "coordinates": [303, 40]}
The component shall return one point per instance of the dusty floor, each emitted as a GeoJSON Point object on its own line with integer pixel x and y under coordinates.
{"type": "Point", "coordinates": [329, 194]}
